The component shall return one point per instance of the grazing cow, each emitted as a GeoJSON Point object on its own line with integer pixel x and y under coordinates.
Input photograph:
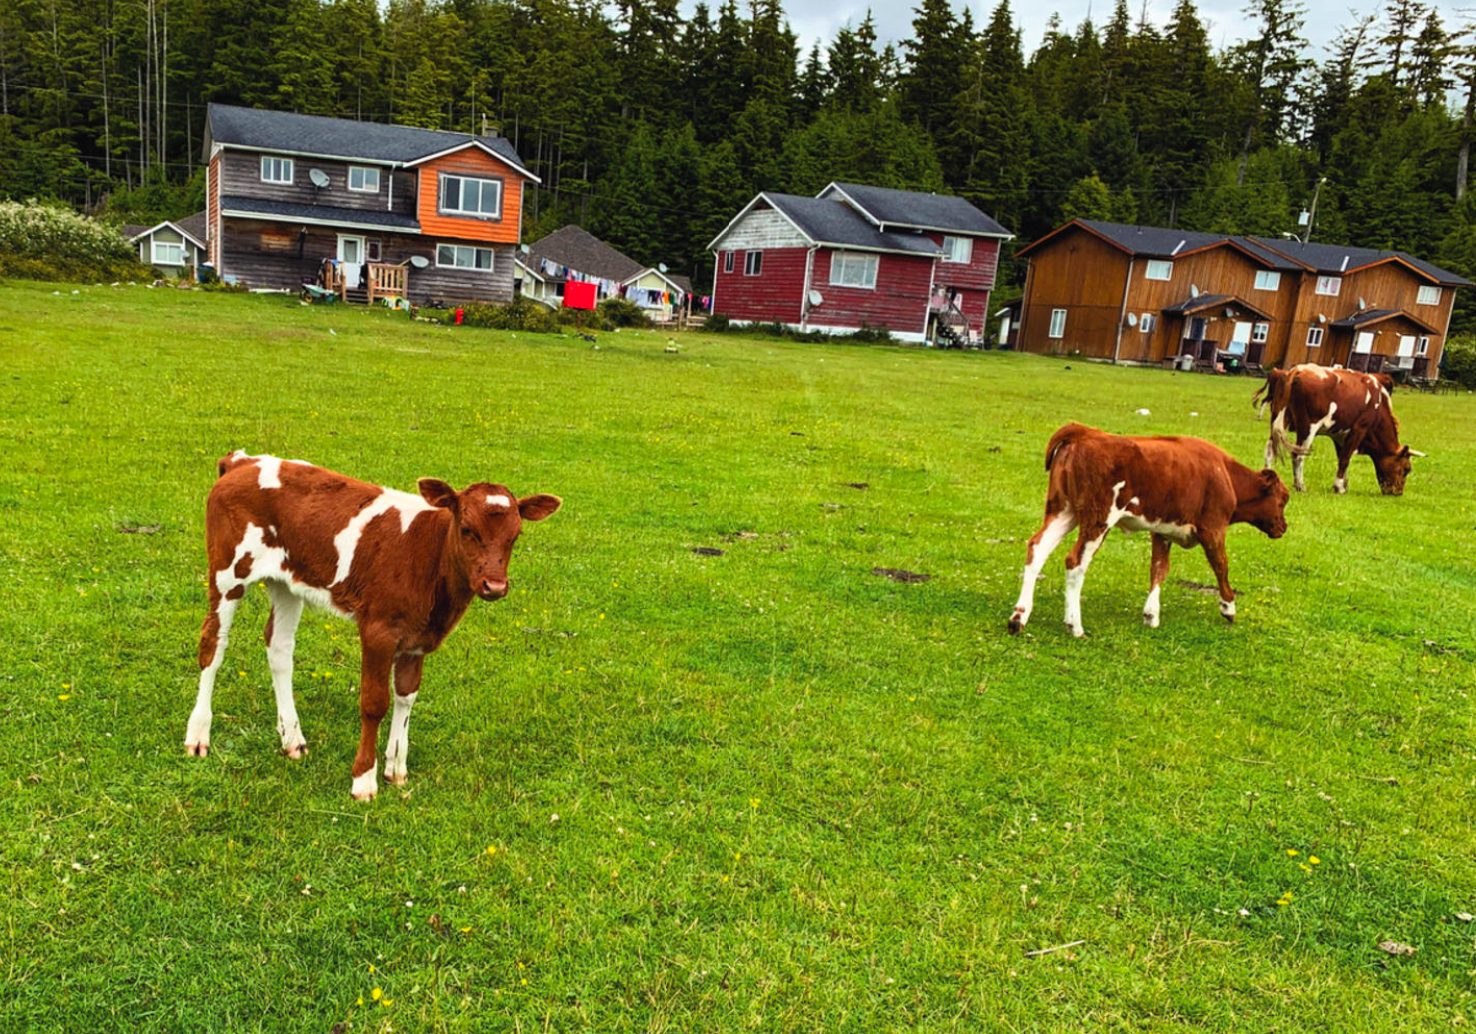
{"type": "Point", "coordinates": [403, 567]}
{"type": "Point", "coordinates": [1351, 407]}
{"type": "Point", "coordinates": [1183, 490]}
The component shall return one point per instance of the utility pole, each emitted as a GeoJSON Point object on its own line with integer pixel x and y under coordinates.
{"type": "Point", "coordinates": [1312, 213]}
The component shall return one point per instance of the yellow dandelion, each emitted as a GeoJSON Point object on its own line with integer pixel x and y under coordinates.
{"type": "Point", "coordinates": [753, 802]}
{"type": "Point", "coordinates": [523, 982]}
{"type": "Point", "coordinates": [466, 929]}
{"type": "Point", "coordinates": [360, 1000]}
{"type": "Point", "coordinates": [1314, 859]}
{"type": "Point", "coordinates": [371, 967]}
{"type": "Point", "coordinates": [1281, 904]}
{"type": "Point", "coordinates": [388, 1001]}
{"type": "Point", "coordinates": [491, 848]}
{"type": "Point", "coordinates": [377, 993]}
{"type": "Point", "coordinates": [1304, 867]}
{"type": "Point", "coordinates": [64, 696]}
{"type": "Point", "coordinates": [66, 685]}
{"type": "Point", "coordinates": [725, 879]}
{"type": "Point", "coordinates": [1292, 852]}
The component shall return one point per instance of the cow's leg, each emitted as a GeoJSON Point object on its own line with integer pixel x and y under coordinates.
{"type": "Point", "coordinates": [1347, 449]}
{"type": "Point", "coordinates": [281, 637]}
{"type": "Point", "coordinates": [1214, 552]}
{"type": "Point", "coordinates": [374, 692]}
{"type": "Point", "coordinates": [397, 747]}
{"type": "Point", "coordinates": [1158, 570]}
{"type": "Point", "coordinates": [215, 633]}
{"type": "Point", "coordinates": [1055, 528]}
{"type": "Point", "coordinates": [1299, 451]}
{"type": "Point", "coordinates": [1088, 540]}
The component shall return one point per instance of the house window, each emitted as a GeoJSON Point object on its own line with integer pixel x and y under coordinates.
{"type": "Point", "coordinates": [1147, 322]}
{"type": "Point", "coordinates": [464, 195]}
{"type": "Point", "coordinates": [372, 249]}
{"type": "Point", "coordinates": [1058, 322]}
{"type": "Point", "coordinates": [1428, 296]}
{"type": "Point", "coordinates": [753, 263]}
{"type": "Point", "coordinates": [1329, 285]}
{"type": "Point", "coordinates": [958, 249]}
{"type": "Point", "coordinates": [727, 262]}
{"type": "Point", "coordinates": [1424, 347]}
{"type": "Point", "coordinates": [459, 256]}
{"type": "Point", "coordinates": [1266, 280]}
{"type": "Point", "coordinates": [851, 270]}
{"type": "Point", "coordinates": [167, 253]}
{"type": "Point", "coordinates": [364, 179]}
{"type": "Point", "coordinates": [276, 170]}
{"type": "Point", "coordinates": [1159, 269]}
{"type": "Point", "coordinates": [1260, 332]}
{"type": "Point", "coordinates": [1314, 337]}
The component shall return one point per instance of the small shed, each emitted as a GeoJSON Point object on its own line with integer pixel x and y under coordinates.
{"type": "Point", "coordinates": [173, 246]}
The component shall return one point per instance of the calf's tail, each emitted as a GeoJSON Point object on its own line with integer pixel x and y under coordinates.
{"type": "Point", "coordinates": [1062, 440]}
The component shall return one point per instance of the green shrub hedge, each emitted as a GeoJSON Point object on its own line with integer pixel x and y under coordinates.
{"type": "Point", "coordinates": [1459, 363]}
{"type": "Point", "coordinates": [50, 242]}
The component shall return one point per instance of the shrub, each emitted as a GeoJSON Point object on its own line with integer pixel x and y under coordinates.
{"type": "Point", "coordinates": [50, 242]}
{"type": "Point", "coordinates": [620, 313]}
{"type": "Point", "coordinates": [718, 323]}
{"type": "Point", "coordinates": [525, 315]}
{"type": "Point", "coordinates": [879, 334]}
{"type": "Point", "coordinates": [1459, 362]}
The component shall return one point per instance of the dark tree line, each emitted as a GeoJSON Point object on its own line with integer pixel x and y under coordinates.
{"type": "Point", "coordinates": [652, 129]}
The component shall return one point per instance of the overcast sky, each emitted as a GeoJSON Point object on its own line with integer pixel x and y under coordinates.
{"type": "Point", "coordinates": [817, 20]}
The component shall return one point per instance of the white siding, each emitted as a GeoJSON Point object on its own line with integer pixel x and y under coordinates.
{"type": "Point", "coordinates": [762, 228]}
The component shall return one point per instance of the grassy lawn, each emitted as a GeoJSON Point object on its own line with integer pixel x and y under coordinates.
{"type": "Point", "coordinates": [659, 791]}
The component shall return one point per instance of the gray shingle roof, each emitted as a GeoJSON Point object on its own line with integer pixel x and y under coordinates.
{"type": "Point", "coordinates": [828, 221]}
{"type": "Point", "coordinates": [323, 213]}
{"type": "Point", "coordinates": [1210, 301]}
{"type": "Point", "coordinates": [339, 137]}
{"type": "Point", "coordinates": [577, 248]}
{"type": "Point", "coordinates": [197, 225]}
{"type": "Point", "coordinates": [918, 211]}
{"type": "Point", "coordinates": [1162, 242]}
{"type": "Point", "coordinates": [1368, 316]}
{"type": "Point", "coordinates": [131, 231]}
{"type": "Point", "coordinates": [1340, 258]}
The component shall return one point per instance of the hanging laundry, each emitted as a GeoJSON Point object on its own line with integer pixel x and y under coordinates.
{"type": "Point", "coordinates": [578, 295]}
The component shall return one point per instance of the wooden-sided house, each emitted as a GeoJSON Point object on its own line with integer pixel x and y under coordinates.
{"type": "Point", "coordinates": [919, 265]}
{"type": "Point", "coordinates": [174, 246]}
{"type": "Point", "coordinates": [368, 209]}
{"type": "Point", "coordinates": [573, 253]}
{"type": "Point", "coordinates": [1146, 294]}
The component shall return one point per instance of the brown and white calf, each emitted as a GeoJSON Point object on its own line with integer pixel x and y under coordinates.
{"type": "Point", "coordinates": [1350, 407]}
{"type": "Point", "coordinates": [1183, 490]}
{"type": "Point", "coordinates": [403, 567]}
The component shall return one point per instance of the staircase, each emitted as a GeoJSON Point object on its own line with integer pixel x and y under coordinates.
{"type": "Point", "coordinates": [952, 329]}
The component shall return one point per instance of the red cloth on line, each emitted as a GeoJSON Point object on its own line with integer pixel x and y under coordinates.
{"type": "Point", "coordinates": [579, 295]}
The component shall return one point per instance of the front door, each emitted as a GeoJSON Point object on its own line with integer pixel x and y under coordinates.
{"type": "Point", "coordinates": [350, 249]}
{"type": "Point", "coordinates": [1364, 342]}
{"type": "Point", "coordinates": [1239, 338]}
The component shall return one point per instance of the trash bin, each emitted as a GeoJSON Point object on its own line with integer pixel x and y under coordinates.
{"type": "Point", "coordinates": [1186, 363]}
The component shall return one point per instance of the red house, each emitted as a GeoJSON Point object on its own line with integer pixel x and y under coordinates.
{"type": "Point", "coordinates": [919, 265]}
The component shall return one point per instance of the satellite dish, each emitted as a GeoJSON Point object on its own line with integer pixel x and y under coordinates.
{"type": "Point", "coordinates": [525, 249]}
{"type": "Point", "coordinates": [661, 267]}
{"type": "Point", "coordinates": [1362, 304]}
{"type": "Point", "coordinates": [1321, 318]}
{"type": "Point", "coordinates": [1193, 290]}
{"type": "Point", "coordinates": [1132, 319]}
{"type": "Point", "coordinates": [419, 261]}
{"type": "Point", "coordinates": [816, 298]}
{"type": "Point", "coordinates": [319, 177]}
{"type": "Point", "coordinates": [1229, 313]}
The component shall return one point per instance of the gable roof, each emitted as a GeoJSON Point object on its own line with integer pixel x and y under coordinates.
{"type": "Point", "coordinates": [679, 283]}
{"type": "Point", "coordinates": [1368, 317]}
{"type": "Point", "coordinates": [324, 137]}
{"type": "Point", "coordinates": [1338, 259]}
{"type": "Point", "coordinates": [826, 221]}
{"type": "Point", "coordinates": [191, 227]}
{"type": "Point", "coordinates": [577, 248]}
{"type": "Point", "coordinates": [197, 226]}
{"type": "Point", "coordinates": [1189, 306]}
{"type": "Point", "coordinates": [915, 210]}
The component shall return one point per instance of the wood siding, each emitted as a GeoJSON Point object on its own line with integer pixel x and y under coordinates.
{"type": "Point", "coordinates": [242, 177]}
{"type": "Point", "coordinates": [472, 161]}
{"type": "Point", "coordinates": [192, 254]}
{"type": "Point", "coordinates": [898, 302]}
{"type": "Point", "coordinates": [978, 273]}
{"type": "Point", "coordinates": [1389, 285]}
{"type": "Point", "coordinates": [774, 296]}
{"type": "Point", "coordinates": [1084, 275]}
{"type": "Point", "coordinates": [212, 210]}
{"type": "Point", "coordinates": [763, 228]}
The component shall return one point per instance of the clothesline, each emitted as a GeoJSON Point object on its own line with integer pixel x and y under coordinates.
{"type": "Point", "coordinates": [646, 297]}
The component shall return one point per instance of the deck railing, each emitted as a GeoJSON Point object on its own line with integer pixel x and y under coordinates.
{"type": "Point", "coordinates": [386, 280]}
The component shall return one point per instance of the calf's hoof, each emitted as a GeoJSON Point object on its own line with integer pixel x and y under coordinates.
{"type": "Point", "coordinates": [1015, 625]}
{"type": "Point", "coordinates": [365, 787]}
{"type": "Point", "coordinates": [197, 750]}
{"type": "Point", "coordinates": [399, 778]}
{"type": "Point", "coordinates": [1151, 620]}
{"type": "Point", "coordinates": [1077, 631]}
{"type": "Point", "coordinates": [296, 752]}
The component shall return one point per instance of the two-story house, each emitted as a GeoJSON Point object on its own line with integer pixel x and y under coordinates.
{"type": "Point", "coordinates": [1144, 294]}
{"type": "Point", "coordinates": [919, 265]}
{"type": "Point", "coordinates": [394, 210]}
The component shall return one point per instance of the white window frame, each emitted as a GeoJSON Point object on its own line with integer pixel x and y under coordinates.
{"type": "Point", "coordinates": [727, 262]}
{"type": "Point", "coordinates": [753, 263]}
{"type": "Point", "coordinates": [1422, 347]}
{"type": "Point", "coordinates": [1268, 280]}
{"type": "Point", "coordinates": [954, 247]}
{"type": "Point", "coordinates": [1058, 323]}
{"type": "Point", "coordinates": [442, 208]}
{"type": "Point", "coordinates": [1329, 285]}
{"type": "Point", "coordinates": [1148, 322]}
{"type": "Point", "coordinates": [155, 260]}
{"type": "Point", "coordinates": [842, 263]}
{"type": "Point", "coordinates": [1314, 337]}
{"type": "Point", "coordinates": [1162, 267]}
{"type": "Point", "coordinates": [281, 169]}
{"type": "Point", "coordinates": [1260, 332]}
{"type": "Point", "coordinates": [456, 253]}
{"type": "Point", "coordinates": [1427, 295]}
{"type": "Point", "coordinates": [365, 170]}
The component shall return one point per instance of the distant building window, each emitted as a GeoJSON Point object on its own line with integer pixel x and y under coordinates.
{"type": "Point", "coordinates": [364, 179]}
{"type": "Point", "coordinates": [727, 262]}
{"type": "Point", "coordinates": [1314, 337]}
{"type": "Point", "coordinates": [958, 249]}
{"type": "Point", "coordinates": [1266, 280]}
{"type": "Point", "coordinates": [753, 263]}
{"type": "Point", "coordinates": [276, 170]}
{"type": "Point", "coordinates": [1428, 296]}
{"type": "Point", "coordinates": [167, 253]}
{"type": "Point", "coordinates": [848, 269]}
{"type": "Point", "coordinates": [372, 249]}
{"type": "Point", "coordinates": [1260, 332]}
{"type": "Point", "coordinates": [1329, 285]}
{"type": "Point", "coordinates": [1058, 322]}
{"type": "Point", "coordinates": [1147, 322]}
{"type": "Point", "coordinates": [1159, 269]}
{"type": "Point", "coordinates": [459, 256]}
{"type": "Point", "coordinates": [1424, 348]}
{"type": "Point", "coordinates": [465, 195]}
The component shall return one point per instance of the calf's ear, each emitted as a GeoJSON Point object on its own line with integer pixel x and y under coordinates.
{"type": "Point", "coordinates": [438, 493]}
{"type": "Point", "coordinates": [537, 507]}
{"type": "Point", "coordinates": [1269, 478]}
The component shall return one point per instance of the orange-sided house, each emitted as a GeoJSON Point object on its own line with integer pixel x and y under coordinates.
{"type": "Point", "coordinates": [370, 209]}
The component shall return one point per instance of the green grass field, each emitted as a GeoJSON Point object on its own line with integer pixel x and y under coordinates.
{"type": "Point", "coordinates": [657, 791]}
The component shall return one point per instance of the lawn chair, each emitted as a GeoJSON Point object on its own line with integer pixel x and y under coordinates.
{"type": "Point", "coordinates": [1254, 354]}
{"type": "Point", "coordinates": [1419, 374]}
{"type": "Point", "coordinates": [1204, 362]}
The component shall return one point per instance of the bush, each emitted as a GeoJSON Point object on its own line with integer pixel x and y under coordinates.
{"type": "Point", "coordinates": [523, 314]}
{"type": "Point", "coordinates": [620, 313]}
{"type": "Point", "coordinates": [879, 334]}
{"type": "Point", "coordinates": [50, 242]}
{"type": "Point", "coordinates": [718, 323]}
{"type": "Point", "coordinates": [1459, 362]}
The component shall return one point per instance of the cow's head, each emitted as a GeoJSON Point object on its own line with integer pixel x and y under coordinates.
{"type": "Point", "coordinates": [1265, 508]}
{"type": "Point", "coordinates": [485, 522]}
{"type": "Point", "coordinates": [1393, 469]}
